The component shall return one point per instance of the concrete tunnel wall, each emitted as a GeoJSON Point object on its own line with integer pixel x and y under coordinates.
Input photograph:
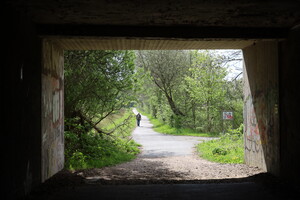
{"type": "Point", "coordinates": [261, 105]}
{"type": "Point", "coordinates": [271, 106]}
{"type": "Point", "coordinates": [289, 88]}
{"type": "Point", "coordinates": [52, 109]}
{"type": "Point", "coordinates": [32, 146]}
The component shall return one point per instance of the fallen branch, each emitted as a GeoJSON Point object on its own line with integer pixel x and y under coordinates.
{"type": "Point", "coordinates": [90, 122]}
{"type": "Point", "coordinates": [100, 131]}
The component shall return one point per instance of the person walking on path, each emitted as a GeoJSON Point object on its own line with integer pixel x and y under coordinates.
{"type": "Point", "coordinates": [138, 119]}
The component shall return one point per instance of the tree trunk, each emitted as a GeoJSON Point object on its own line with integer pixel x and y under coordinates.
{"type": "Point", "coordinates": [175, 110]}
{"type": "Point", "coordinates": [194, 114]}
{"type": "Point", "coordinates": [208, 118]}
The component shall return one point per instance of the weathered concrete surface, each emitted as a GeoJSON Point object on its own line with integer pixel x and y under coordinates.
{"type": "Point", "coordinates": [160, 145]}
{"type": "Point", "coordinates": [261, 104]}
{"type": "Point", "coordinates": [121, 43]}
{"type": "Point", "coordinates": [168, 24]}
{"type": "Point", "coordinates": [289, 106]}
{"type": "Point", "coordinates": [52, 110]}
{"type": "Point", "coordinates": [242, 13]}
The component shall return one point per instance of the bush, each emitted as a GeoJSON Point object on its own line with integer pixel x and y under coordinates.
{"type": "Point", "coordinates": [219, 151]}
{"type": "Point", "coordinates": [229, 148]}
{"type": "Point", "coordinates": [77, 160]}
{"type": "Point", "coordinates": [89, 149]}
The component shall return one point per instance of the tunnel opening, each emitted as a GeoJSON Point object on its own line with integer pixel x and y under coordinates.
{"type": "Point", "coordinates": [258, 151]}
{"type": "Point", "coordinates": [36, 35]}
{"type": "Point", "coordinates": [255, 152]}
{"type": "Point", "coordinates": [71, 44]}
{"type": "Point", "coordinates": [228, 83]}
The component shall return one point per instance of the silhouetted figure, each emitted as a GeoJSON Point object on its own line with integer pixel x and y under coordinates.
{"type": "Point", "coordinates": [138, 119]}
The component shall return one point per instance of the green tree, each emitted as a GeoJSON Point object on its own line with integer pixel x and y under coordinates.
{"type": "Point", "coordinates": [205, 85]}
{"type": "Point", "coordinates": [97, 83]}
{"type": "Point", "coordinates": [196, 84]}
{"type": "Point", "coordinates": [167, 69]}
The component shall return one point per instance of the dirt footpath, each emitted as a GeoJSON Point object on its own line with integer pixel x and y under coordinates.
{"type": "Point", "coordinates": [167, 169]}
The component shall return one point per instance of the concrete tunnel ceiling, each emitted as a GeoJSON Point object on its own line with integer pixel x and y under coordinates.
{"type": "Point", "coordinates": [157, 24]}
{"type": "Point", "coordinates": [146, 44]}
{"type": "Point", "coordinates": [221, 13]}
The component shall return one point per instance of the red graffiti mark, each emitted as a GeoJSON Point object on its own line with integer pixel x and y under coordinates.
{"type": "Point", "coordinates": [263, 128]}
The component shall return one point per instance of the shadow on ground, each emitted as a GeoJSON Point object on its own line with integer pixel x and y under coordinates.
{"type": "Point", "coordinates": [139, 169]}
{"type": "Point", "coordinates": [70, 185]}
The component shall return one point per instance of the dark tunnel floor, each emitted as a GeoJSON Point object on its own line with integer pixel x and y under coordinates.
{"type": "Point", "coordinates": [66, 185]}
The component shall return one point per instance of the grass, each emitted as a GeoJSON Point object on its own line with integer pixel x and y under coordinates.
{"type": "Point", "coordinates": [114, 159]}
{"type": "Point", "coordinates": [105, 150]}
{"type": "Point", "coordinates": [161, 127]}
{"type": "Point", "coordinates": [115, 118]}
{"type": "Point", "coordinates": [226, 149]}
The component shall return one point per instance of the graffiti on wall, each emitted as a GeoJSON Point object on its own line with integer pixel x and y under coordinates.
{"type": "Point", "coordinates": [260, 115]}
{"type": "Point", "coordinates": [52, 112]}
{"type": "Point", "coordinates": [261, 106]}
{"type": "Point", "coordinates": [259, 119]}
{"type": "Point", "coordinates": [252, 132]}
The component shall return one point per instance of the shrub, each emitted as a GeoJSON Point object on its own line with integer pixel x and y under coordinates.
{"type": "Point", "coordinates": [219, 151]}
{"type": "Point", "coordinates": [77, 160]}
{"type": "Point", "coordinates": [229, 148]}
{"type": "Point", "coordinates": [88, 149]}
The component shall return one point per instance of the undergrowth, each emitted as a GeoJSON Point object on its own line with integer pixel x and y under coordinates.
{"type": "Point", "coordinates": [93, 150]}
{"type": "Point", "coordinates": [229, 148]}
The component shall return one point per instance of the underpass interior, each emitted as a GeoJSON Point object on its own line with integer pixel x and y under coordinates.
{"type": "Point", "coordinates": [254, 117]}
{"type": "Point", "coordinates": [37, 34]}
{"type": "Point", "coordinates": [256, 149]}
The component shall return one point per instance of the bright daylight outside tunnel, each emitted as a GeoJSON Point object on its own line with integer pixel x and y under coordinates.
{"type": "Point", "coordinates": [191, 102]}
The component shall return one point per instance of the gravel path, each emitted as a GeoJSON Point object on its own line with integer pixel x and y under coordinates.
{"type": "Point", "coordinates": [166, 158]}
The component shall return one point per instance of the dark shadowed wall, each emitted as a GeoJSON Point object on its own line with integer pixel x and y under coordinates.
{"type": "Point", "coordinates": [289, 78]}
{"type": "Point", "coordinates": [21, 133]}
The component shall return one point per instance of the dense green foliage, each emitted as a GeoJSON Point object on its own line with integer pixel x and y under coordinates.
{"type": "Point", "coordinates": [98, 84]}
{"type": "Point", "coordinates": [188, 89]}
{"type": "Point", "coordinates": [90, 149]}
{"type": "Point", "coordinates": [229, 148]}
